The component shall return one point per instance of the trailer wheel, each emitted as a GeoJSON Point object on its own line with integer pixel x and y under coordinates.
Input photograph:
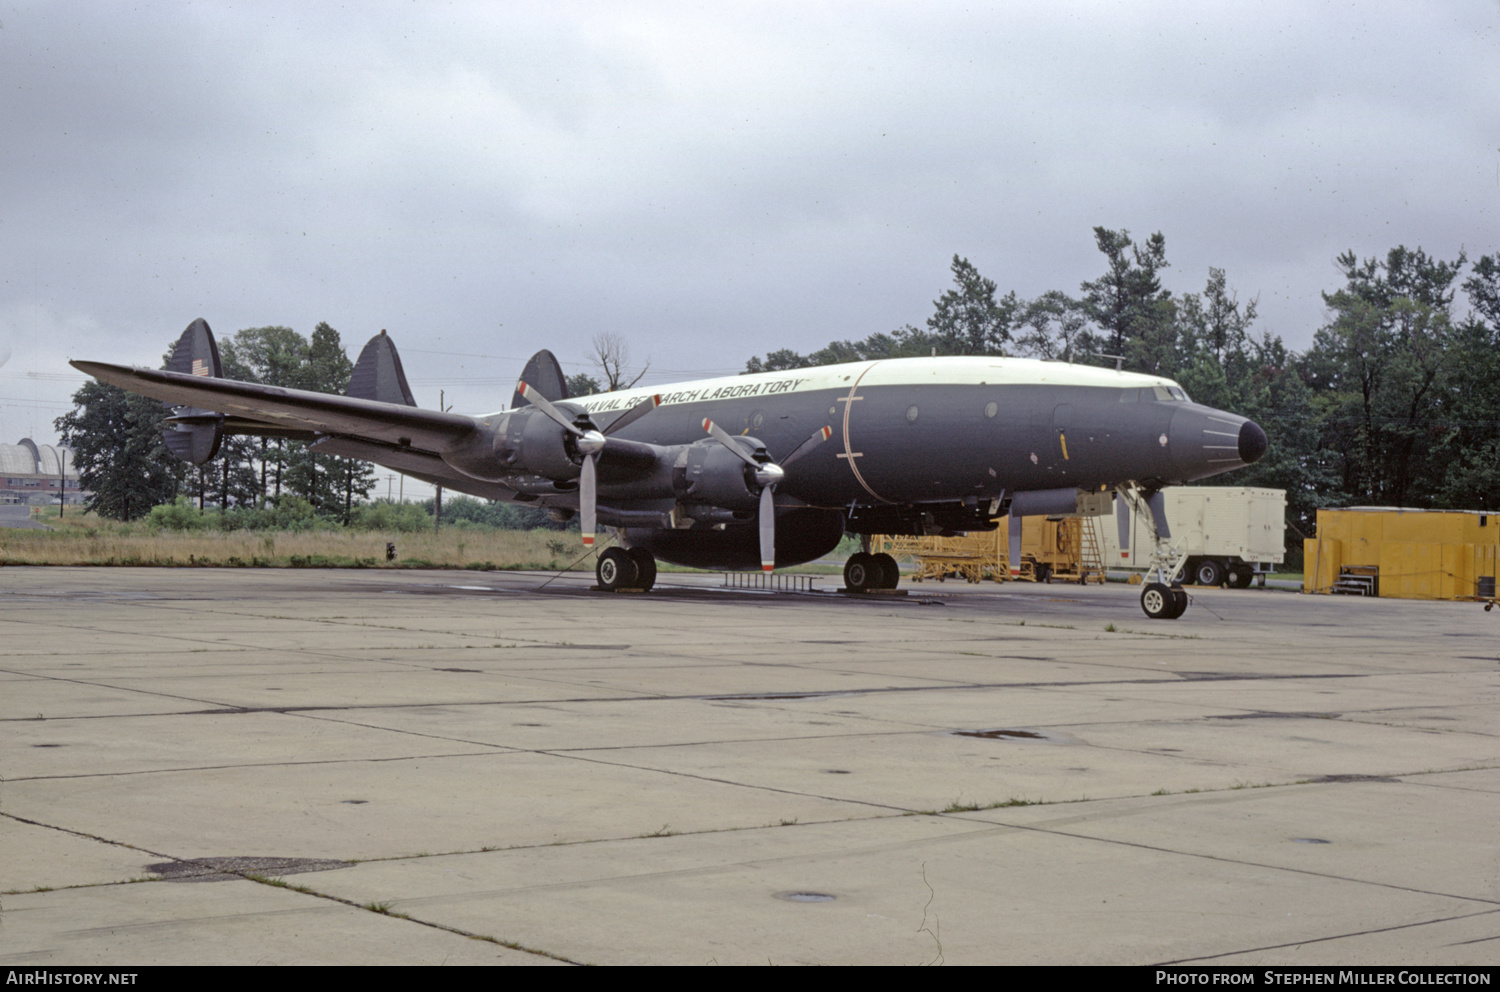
{"type": "Point", "coordinates": [1240, 576]}
{"type": "Point", "coordinates": [1208, 572]}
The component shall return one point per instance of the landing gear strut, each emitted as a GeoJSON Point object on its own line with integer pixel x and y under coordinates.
{"type": "Point", "coordinates": [1164, 598]}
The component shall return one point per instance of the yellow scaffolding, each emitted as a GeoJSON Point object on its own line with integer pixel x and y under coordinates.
{"type": "Point", "coordinates": [1051, 548]}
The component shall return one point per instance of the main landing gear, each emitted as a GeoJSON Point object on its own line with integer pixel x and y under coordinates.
{"type": "Point", "coordinates": [625, 568]}
{"type": "Point", "coordinates": [864, 572]}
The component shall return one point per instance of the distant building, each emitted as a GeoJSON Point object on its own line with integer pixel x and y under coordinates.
{"type": "Point", "coordinates": [38, 474]}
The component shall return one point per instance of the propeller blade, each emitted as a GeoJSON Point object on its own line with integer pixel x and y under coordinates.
{"type": "Point", "coordinates": [818, 438]}
{"type": "Point", "coordinates": [545, 405]}
{"type": "Point", "coordinates": [723, 438]}
{"type": "Point", "coordinates": [635, 413]}
{"type": "Point", "coordinates": [767, 530]}
{"type": "Point", "coordinates": [588, 489]}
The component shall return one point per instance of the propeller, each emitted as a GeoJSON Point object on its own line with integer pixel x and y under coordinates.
{"type": "Point", "coordinates": [768, 475]}
{"type": "Point", "coordinates": [590, 444]}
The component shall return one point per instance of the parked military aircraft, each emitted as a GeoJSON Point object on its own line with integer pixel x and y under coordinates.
{"type": "Point", "coordinates": [735, 473]}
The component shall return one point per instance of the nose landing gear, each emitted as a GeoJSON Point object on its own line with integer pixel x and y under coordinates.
{"type": "Point", "coordinates": [1163, 602]}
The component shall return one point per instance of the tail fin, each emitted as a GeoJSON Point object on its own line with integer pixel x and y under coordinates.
{"type": "Point", "coordinates": [191, 434]}
{"type": "Point", "coordinates": [544, 375]}
{"type": "Point", "coordinates": [378, 374]}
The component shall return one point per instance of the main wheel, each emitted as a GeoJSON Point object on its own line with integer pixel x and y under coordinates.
{"type": "Point", "coordinates": [1158, 602]}
{"type": "Point", "coordinates": [862, 573]}
{"type": "Point", "coordinates": [1179, 602]}
{"type": "Point", "coordinates": [645, 568]}
{"type": "Point", "coordinates": [1209, 572]}
{"type": "Point", "coordinates": [616, 569]}
{"type": "Point", "coordinates": [890, 572]}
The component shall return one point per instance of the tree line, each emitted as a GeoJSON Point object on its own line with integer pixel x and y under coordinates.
{"type": "Point", "coordinates": [1396, 402]}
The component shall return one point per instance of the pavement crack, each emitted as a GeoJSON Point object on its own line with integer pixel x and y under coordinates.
{"type": "Point", "coordinates": [1337, 936]}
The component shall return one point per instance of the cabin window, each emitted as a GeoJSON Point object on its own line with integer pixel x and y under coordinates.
{"type": "Point", "coordinates": [911, 415]}
{"type": "Point", "coordinates": [991, 408]}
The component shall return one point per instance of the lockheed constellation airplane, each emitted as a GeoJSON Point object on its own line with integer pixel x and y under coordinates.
{"type": "Point", "coordinates": [736, 473]}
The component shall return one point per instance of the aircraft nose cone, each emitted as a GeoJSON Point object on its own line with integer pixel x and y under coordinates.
{"type": "Point", "coordinates": [1253, 442]}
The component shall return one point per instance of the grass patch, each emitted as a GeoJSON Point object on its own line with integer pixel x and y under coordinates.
{"type": "Point", "coordinates": [959, 806]}
{"type": "Point", "coordinates": [85, 539]}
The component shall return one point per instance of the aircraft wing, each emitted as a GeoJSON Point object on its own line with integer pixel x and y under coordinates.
{"type": "Point", "coordinates": [292, 409]}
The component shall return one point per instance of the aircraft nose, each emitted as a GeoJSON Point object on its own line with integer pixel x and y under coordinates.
{"type": "Point", "coordinates": [1253, 442]}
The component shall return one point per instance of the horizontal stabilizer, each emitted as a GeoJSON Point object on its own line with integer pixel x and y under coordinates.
{"type": "Point", "coordinates": [378, 374]}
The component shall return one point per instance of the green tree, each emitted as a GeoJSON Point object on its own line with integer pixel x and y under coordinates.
{"type": "Point", "coordinates": [272, 356]}
{"type": "Point", "coordinates": [1473, 397]}
{"type": "Point", "coordinates": [968, 319]}
{"type": "Point", "coordinates": [118, 449]}
{"type": "Point", "coordinates": [329, 482]}
{"type": "Point", "coordinates": [583, 384]}
{"type": "Point", "coordinates": [1381, 371]}
{"type": "Point", "coordinates": [1135, 315]}
{"type": "Point", "coordinates": [1055, 326]}
{"type": "Point", "coordinates": [1214, 360]}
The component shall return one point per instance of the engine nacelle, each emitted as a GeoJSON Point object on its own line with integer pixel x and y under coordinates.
{"type": "Point", "coordinates": [706, 472]}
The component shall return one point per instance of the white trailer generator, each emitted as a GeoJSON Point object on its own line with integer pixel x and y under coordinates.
{"type": "Point", "coordinates": [1229, 535]}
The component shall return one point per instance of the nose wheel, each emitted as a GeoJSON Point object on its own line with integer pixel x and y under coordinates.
{"type": "Point", "coordinates": [1163, 602]}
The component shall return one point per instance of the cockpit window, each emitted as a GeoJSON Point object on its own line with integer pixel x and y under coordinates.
{"type": "Point", "coordinates": [1166, 394]}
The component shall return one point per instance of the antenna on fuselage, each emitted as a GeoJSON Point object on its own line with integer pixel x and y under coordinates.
{"type": "Point", "coordinates": [1119, 360]}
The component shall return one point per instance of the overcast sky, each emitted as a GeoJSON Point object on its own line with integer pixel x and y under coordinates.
{"type": "Point", "coordinates": [710, 181]}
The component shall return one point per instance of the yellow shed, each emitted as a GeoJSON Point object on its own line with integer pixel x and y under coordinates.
{"type": "Point", "coordinates": [1402, 553]}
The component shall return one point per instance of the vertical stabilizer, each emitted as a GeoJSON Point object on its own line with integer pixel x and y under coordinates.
{"type": "Point", "coordinates": [544, 375]}
{"type": "Point", "coordinates": [378, 374]}
{"type": "Point", "coordinates": [191, 434]}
